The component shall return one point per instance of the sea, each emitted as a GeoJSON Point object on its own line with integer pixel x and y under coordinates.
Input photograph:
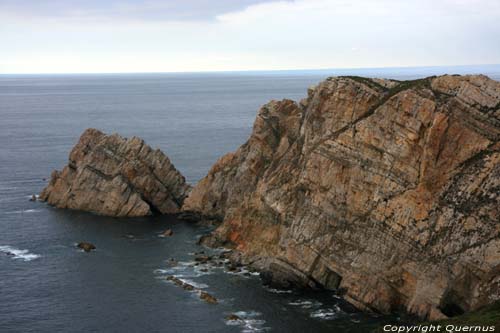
{"type": "Point", "coordinates": [47, 284]}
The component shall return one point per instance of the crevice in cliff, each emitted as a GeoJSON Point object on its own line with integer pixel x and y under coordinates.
{"type": "Point", "coordinates": [450, 305]}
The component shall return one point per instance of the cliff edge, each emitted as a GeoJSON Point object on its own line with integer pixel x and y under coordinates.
{"type": "Point", "coordinates": [386, 191]}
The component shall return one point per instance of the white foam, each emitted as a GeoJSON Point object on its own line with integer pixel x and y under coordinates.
{"type": "Point", "coordinates": [199, 271]}
{"type": "Point", "coordinates": [23, 211]}
{"type": "Point", "coordinates": [306, 304]}
{"type": "Point", "coordinates": [248, 321]}
{"type": "Point", "coordinates": [246, 314]}
{"type": "Point", "coordinates": [279, 291]}
{"type": "Point", "coordinates": [326, 314]}
{"type": "Point", "coordinates": [194, 284]}
{"type": "Point", "coordinates": [18, 254]}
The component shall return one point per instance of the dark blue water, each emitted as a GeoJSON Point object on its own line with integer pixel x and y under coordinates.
{"type": "Point", "coordinates": [47, 285]}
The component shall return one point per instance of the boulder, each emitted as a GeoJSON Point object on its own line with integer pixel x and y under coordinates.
{"type": "Point", "coordinates": [187, 286]}
{"type": "Point", "coordinates": [233, 317]}
{"type": "Point", "coordinates": [208, 298]}
{"type": "Point", "coordinates": [115, 176]}
{"type": "Point", "coordinates": [203, 259]}
{"type": "Point", "coordinates": [167, 233]}
{"type": "Point", "coordinates": [85, 246]}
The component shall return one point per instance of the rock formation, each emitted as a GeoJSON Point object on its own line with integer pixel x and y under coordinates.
{"type": "Point", "coordinates": [115, 176]}
{"type": "Point", "coordinates": [86, 246]}
{"type": "Point", "coordinates": [386, 191]}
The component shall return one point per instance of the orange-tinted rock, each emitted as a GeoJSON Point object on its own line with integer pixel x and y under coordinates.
{"type": "Point", "coordinates": [114, 176]}
{"type": "Point", "coordinates": [388, 191]}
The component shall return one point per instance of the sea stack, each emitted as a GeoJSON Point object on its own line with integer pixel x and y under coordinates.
{"type": "Point", "coordinates": [115, 176]}
{"type": "Point", "coordinates": [387, 191]}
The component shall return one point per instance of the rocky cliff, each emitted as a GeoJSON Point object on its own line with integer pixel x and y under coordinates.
{"type": "Point", "coordinates": [386, 191]}
{"type": "Point", "coordinates": [115, 176]}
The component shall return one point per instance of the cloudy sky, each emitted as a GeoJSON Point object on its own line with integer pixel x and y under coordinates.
{"type": "Point", "coordinates": [73, 36]}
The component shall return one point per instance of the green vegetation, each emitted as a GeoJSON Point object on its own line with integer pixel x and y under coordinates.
{"type": "Point", "coordinates": [369, 82]}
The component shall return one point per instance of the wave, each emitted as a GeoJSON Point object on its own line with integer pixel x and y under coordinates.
{"type": "Point", "coordinates": [305, 304]}
{"type": "Point", "coordinates": [279, 291]}
{"type": "Point", "coordinates": [18, 254]}
{"type": "Point", "coordinates": [23, 211]}
{"type": "Point", "coordinates": [248, 321]}
{"type": "Point", "coordinates": [326, 314]}
{"type": "Point", "coordinates": [194, 284]}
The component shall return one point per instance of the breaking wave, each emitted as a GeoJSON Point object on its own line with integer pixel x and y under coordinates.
{"type": "Point", "coordinates": [18, 254]}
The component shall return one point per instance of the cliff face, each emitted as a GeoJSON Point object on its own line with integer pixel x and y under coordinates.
{"type": "Point", "coordinates": [387, 191]}
{"type": "Point", "coordinates": [111, 175]}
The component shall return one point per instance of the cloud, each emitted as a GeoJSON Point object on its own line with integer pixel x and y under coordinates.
{"type": "Point", "coordinates": [137, 10]}
{"type": "Point", "coordinates": [246, 35]}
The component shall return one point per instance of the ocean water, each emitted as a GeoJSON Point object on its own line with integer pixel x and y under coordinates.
{"type": "Point", "coordinates": [47, 285]}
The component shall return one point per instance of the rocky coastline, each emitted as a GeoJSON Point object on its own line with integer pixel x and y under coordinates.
{"type": "Point", "coordinates": [385, 191]}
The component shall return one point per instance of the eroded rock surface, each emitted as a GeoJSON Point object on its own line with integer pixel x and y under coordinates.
{"type": "Point", "coordinates": [387, 191]}
{"type": "Point", "coordinates": [114, 176]}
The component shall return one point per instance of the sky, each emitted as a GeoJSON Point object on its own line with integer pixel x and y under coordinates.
{"type": "Point", "coordinates": [97, 36]}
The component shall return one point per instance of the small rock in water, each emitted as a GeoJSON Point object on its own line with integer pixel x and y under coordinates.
{"type": "Point", "coordinates": [167, 233]}
{"type": "Point", "coordinates": [187, 286]}
{"type": "Point", "coordinates": [202, 259]}
{"type": "Point", "coordinates": [33, 198]}
{"type": "Point", "coordinates": [85, 246]}
{"type": "Point", "coordinates": [175, 280]}
{"type": "Point", "coordinates": [208, 298]}
{"type": "Point", "coordinates": [225, 255]}
{"type": "Point", "coordinates": [233, 317]}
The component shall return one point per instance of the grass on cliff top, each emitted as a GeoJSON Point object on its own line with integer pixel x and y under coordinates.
{"type": "Point", "coordinates": [367, 81]}
{"type": "Point", "coordinates": [402, 85]}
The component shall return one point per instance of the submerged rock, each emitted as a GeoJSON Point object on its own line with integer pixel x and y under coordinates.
{"type": "Point", "coordinates": [33, 198]}
{"type": "Point", "coordinates": [175, 280]}
{"type": "Point", "coordinates": [114, 176]}
{"type": "Point", "coordinates": [202, 259]}
{"type": "Point", "coordinates": [85, 246]}
{"type": "Point", "coordinates": [208, 298]}
{"type": "Point", "coordinates": [187, 286]}
{"type": "Point", "coordinates": [233, 317]}
{"type": "Point", "coordinates": [386, 190]}
{"type": "Point", "coordinates": [167, 233]}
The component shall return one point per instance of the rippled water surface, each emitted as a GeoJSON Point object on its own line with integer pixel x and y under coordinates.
{"type": "Point", "coordinates": [47, 285]}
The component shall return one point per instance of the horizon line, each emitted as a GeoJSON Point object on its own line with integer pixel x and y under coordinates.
{"type": "Point", "coordinates": [256, 70]}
